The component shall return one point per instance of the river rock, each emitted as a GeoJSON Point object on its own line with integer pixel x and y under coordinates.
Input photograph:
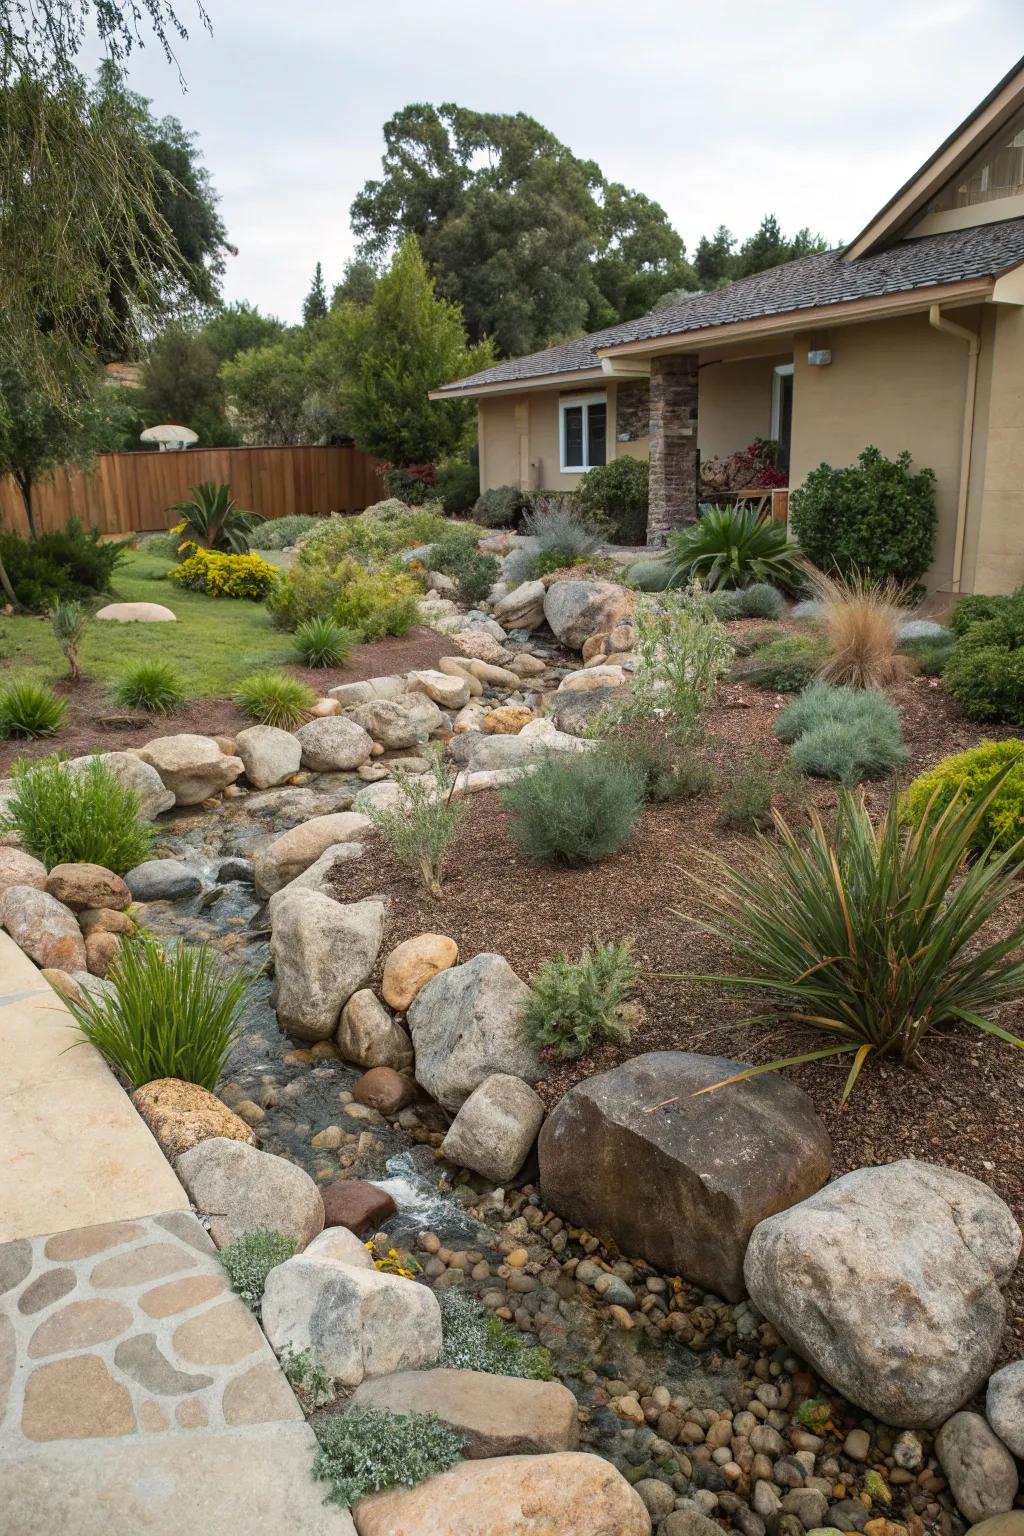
{"type": "Point", "coordinates": [45, 929]}
{"type": "Point", "coordinates": [466, 1024]}
{"type": "Point", "coordinates": [888, 1283]}
{"type": "Point", "coordinates": [136, 613]}
{"type": "Point", "coordinates": [982, 1474]}
{"type": "Point", "coordinates": [339, 1245]}
{"type": "Point", "coordinates": [241, 1190]}
{"type": "Point", "coordinates": [1004, 1406]}
{"type": "Point", "coordinates": [19, 868]}
{"type": "Point", "coordinates": [181, 1115]}
{"type": "Point", "coordinates": [391, 723]}
{"type": "Point", "coordinates": [357, 1322]}
{"type": "Point", "coordinates": [685, 1186]}
{"type": "Point", "coordinates": [163, 880]}
{"type": "Point", "coordinates": [369, 1036]}
{"type": "Point", "coordinates": [269, 754]}
{"type": "Point", "coordinates": [391, 686]}
{"type": "Point", "coordinates": [356, 1205]}
{"type": "Point", "coordinates": [101, 950]}
{"type": "Point", "coordinates": [192, 767]}
{"type": "Point", "coordinates": [495, 1415]}
{"type": "Point", "coordinates": [523, 607]}
{"type": "Point", "coordinates": [577, 609]}
{"type": "Point", "coordinates": [1011, 1524]}
{"type": "Point", "coordinates": [293, 852]}
{"type": "Point", "coordinates": [334, 745]}
{"type": "Point", "coordinates": [413, 963]}
{"type": "Point", "coordinates": [385, 1090]}
{"type": "Point", "coordinates": [80, 886]}
{"type": "Point", "coordinates": [479, 645]}
{"type": "Point", "coordinates": [494, 1130]}
{"type": "Point", "coordinates": [565, 1491]}
{"type": "Point", "coordinates": [533, 743]}
{"type": "Point", "coordinates": [323, 950]}
{"type": "Point", "coordinates": [446, 691]}
{"type": "Point", "coordinates": [133, 773]}
{"type": "Point", "coordinates": [575, 712]}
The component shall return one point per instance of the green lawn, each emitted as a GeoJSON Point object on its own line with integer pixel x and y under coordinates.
{"type": "Point", "coordinates": [215, 643]}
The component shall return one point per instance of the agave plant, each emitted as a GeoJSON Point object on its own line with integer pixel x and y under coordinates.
{"type": "Point", "coordinates": [212, 518]}
{"type": "Point", "coordinates": [872, 935]}
{"type": "Point", "coordinates": [735, 547]}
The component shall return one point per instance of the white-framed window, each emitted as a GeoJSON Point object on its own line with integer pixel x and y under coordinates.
{"type": "Point", "coordinates": [582, 432]}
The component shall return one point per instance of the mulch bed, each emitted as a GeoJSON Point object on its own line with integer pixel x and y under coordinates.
{"type": "Point", "coordinates": [93, 724]}
{"type": "Point", "coordinates": [964, 1107]}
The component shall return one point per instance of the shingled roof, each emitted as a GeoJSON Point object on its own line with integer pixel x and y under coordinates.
{"type": "Point", "coordinates": [812, 282]}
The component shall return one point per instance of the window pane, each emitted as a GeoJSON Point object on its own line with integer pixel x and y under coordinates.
{"type": "Point", "coordinates": [574, 436]}
{"type": "Point", "coordinates": [597, 428]}
{"type": "Point", "coordinates": [996, 171]}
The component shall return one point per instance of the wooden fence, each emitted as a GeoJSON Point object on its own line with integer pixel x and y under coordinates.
{"type": "Point", "coordinates": [134, 492]}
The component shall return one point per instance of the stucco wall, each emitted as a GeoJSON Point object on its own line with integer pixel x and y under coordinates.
{"type": "Point", "coordinates": [994, 547]}
{"type": "Point", "coordinates": [735, 404]}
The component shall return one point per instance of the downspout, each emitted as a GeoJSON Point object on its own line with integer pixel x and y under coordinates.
{"type": "Point", "coordinates": [938, 322]}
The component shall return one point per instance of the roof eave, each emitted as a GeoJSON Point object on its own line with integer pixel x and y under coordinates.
{"type": "Point", "coordinates": [514, 386]}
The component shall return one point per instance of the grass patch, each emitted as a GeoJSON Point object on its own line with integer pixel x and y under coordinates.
{"type": "Point", "coordinates": [152, 685]}
{"type": "Point", "coordinates": [274, 698]}
{"type": "Point", "coordinates": [77, 816]}
{"type": "Point", "coordinates": [29, 709]}
{"type": "Point", "coordinates": [574, 809]}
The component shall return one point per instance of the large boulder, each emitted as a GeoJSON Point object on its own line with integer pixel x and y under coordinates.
{"type": "Point", "coordinates": [494, 1130]}
{"type": "Point", "coordinates": [324, 950]}
{"type": "Point", "coordinates": [334, 745]}
{"type": "Point", "coordinates": [523, 607]}
{"type": "Point", "coordinates": [577, 609]}
{"type": "Point", "coordinates": [533, 743]}
{"type": "Point", "coordinates": [270, 755]}
{"type": "Point", "coordinates": [566, 1491]}
{"type": "Point", "coordinates": [446, 691]}
{"type": "Point", "coordinates": [466, 1024]}
{"type": "Point", "coordinates": [181, 1115]}
{"type": "Point", "coordinates": [80, 886]}
{"type": "Point", "coordinates": [137, 613]}
{"type": "Point", "coordinates": [288, 855]}
{"type": "Point", "coordinates": [682, 1185]}
{"type": "Point", "coordinates": [981, 1472]}
{"type": "Point", "coordinates": [163, 880]}
{"type": "Point", "coordinates": [240, 1190]}
{"type": "Point", "coordinates": [19, 868]}
{"type": "Point", "coordinates": [323, 875]}
{"type": "Point", "coordinates": [369, 1036]}
{"type": "Point", "coordinates": [888, 1283]}
{"type": "Point", "coordinates": [192, 767]}
{"type": "Point", "coordinates": [1004, 1406]}
{"type": "Point", "coordinates": [355, 1321]}
{"type": "Point", "coordinates": [413, 963]}
{"type": "Point", "coordinates": [495, 1415]}
{"type": "Point", "coordinates": [43, 927]}
{"type": "Point", "coordinates": [133, 773]}
{"type": "Point", "coordinates": [393, 724]}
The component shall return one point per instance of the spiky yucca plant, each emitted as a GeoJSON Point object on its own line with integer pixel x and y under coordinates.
{"type": "Point", "coordinates": [735, 547]}
{"type": "Point", "coordinates": [211, 517]}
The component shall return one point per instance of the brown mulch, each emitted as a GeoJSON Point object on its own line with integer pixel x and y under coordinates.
{"type": "Point", "coordinates": [964, 1107]}
{"type": "Point", "coordinates": [93, 724]}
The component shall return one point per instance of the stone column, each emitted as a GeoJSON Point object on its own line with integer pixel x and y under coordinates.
{"type": "Point", "coordinates": [673, 451]}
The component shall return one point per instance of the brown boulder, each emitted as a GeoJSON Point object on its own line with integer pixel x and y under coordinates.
{"type": "Point", "coordinates": [19, 868]}
{"type": "Point", "coordinates": [104, 920]}
{"type": "Point", "coordinates": [385, 1090]}
{"type": "Point", "coordinates": [682, 1187]}
{"type": "Point", "coordinates": [497, 1416]}
{"type": "Point", "coordinates": [61, 982]}
{"type": "Point", "coordinates": [43, 927]}
{"type": "Point", "coordinates": [101, 950]}
{"type": "Point", "coordinates": [412, 964]}
{"type": "Point", "coordinates": [357, 1205]}
{"type": "Point", "coordinates": [181, 1115]}
{"type": "Point", "coordinates": [88, 885]}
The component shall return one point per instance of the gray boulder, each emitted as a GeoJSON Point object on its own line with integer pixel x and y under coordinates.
{"type": "Point", "coordinates": [494, 1130]}
{"type": "Point", "coordinates": [888, 1283]}
{"type": "Point", "coordinates": [323, 951]}
{"type": "Point", "coordinates": [240, 1189]}
{"type": "Point", "coordinates": [982, 1474]}
{"type": "Point", "coordinates": [163, 880]}
{"type": "Point", "coordinates": [270, 755]}
{"type": "Point", "coordinates": [393, 724]}
{"type": "Point", "coordinates": [322, 875]}
{"type": "Point", "coordinates": [43, 928]}
{"type": "Point", "coordinates": [685, 1184]}
{"type": "Point", "coordinates": [575, 610]}
{"type": "Point", "coordinates": [19, 868]}
{"type": "Point", "coordinates": [523, 607]}
{"type": "Point", "coordinates": [1004, 1406]}
{"type": "Point", "coordinates": [192, 767]}
{"type": "Point", "coordinates": [334, 744]}
{"type": "Point", "coordinates": [369, 1036]}
{"type": "Point", "coordinates": [466, 1024]}
{"type": "Point", "coordinates": [294, 851]}
{"type": "Point", "coordinates": [133, 773]}
{"type": "Point", "coordinates": [496, 1415]}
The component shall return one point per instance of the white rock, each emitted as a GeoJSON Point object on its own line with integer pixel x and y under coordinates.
{"type": "Point", "coordinates": [323, 951]}
{"type": "Point", "coordinates": [451, 692]}
{"type": "Point", "coordinates": [466, 1025]}
{"type": "Point", "coordinates": [334, 745]}
{"type": "Point", "coordinates": [340, 1246]}
{"type": "Point", "coordinates": [523, 607]}
{"type": "Point", "coordinates": [323, 875]}
{"type": "Point", "coordinates": [577, 609]}
{"type": "Point", "coordinates": [270, 755]}
{"type": "Point", "coordinates": [137, 613]}
{"type": "Point", "coordinates": [241, 1190]}
{"type": "Point", "coordinates": [291, 853]}
{"type": "Point", "coordinates": [392, 686]}
{"type": "Point", "coordinates": [494, 1130]}
{"type": "Point", "coordinates": [192, 767]}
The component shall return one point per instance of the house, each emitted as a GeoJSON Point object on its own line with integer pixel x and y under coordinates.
{"type": "Point", "coordinates": [912, 336]}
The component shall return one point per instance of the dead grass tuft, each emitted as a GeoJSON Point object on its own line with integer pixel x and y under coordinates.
{"type": "Point", "coordinates": [862, 620]}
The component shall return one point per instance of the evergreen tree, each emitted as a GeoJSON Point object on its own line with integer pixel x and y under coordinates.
{"type": "Point", "coordinates": [314, 305]}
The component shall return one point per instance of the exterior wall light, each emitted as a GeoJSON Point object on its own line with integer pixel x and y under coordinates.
{"type": "Point", "coordinates": [820, 357]}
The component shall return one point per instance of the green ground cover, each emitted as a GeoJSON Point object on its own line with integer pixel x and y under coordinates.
{"type": "Point", "coordinates": [214, 645]}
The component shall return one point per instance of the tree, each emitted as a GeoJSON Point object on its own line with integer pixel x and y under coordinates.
{"type": "Point", "coordinates": [718, 262]}
{"type": "Point", "coordinates": [314, 305]}
{"type": "Point", "coordinates": [389, 355]}
{"type": "Point", "coordinates": [713, 258]}
{"type": "Point", "coordinates": [527, 238]}
{"type": "Point", "coordinates": [237, 327]}
{"type": "Point", "coordinates": [181, 383]}
{"type": "Point", "coordinates": [280, 394]}
{"type": "Point", "coordinates": [39, 434]}
{"type": "Point", "coordinates": [357, 285]}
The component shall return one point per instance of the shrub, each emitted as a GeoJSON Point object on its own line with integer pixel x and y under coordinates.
{"type": "Point", "coordinates": [928, 657]}
{"type": "Point", "coordinates": [69, 620]}
{"type": "Point", "coordinates": [822, 704]}
{"type": "Point", "coordinates": [84, 815]}
{"type": "Point", "coordinates": [976, 608]}
{"type": "Point", "coordinates": [218, 575]}
{"type": "Point", "coordinates": [322, 642]}
{"type": "Point", "coordinates": [381, 532]}
{"type": "Point", "coordinates": [422, 828]}
{"type": "Point", "coordinates": [501, 507]}
{"type": "Point", "coordinates": [862, 621]}
{"type": "Point", "coordinates": [751, 794]}
{"type": "Point", "coordinates": [164, 546]}
{"type": "Point", "coordinates": [760, 601]}
{"type": "Point", "coordinates": [735, 547]}
{"type": "Point", "coordinates": [682, 652]}
{"type": "Point", "coordinates": [30, 709]}
{"type": "Point", "coordinates": [212, 519]}
{"type": "Point", "coordinates": [249, 1260]}
{"type": "Point", "coordinates": [412, 484]}
{"type": "Point", "coordinates": [377, 603]}
{"type": "Point", "coordinates": [150, 685]}
{"type": "Point", "coordinates": [575, 810]}
{"type": "Point", "coordinates": [671, 770]}
{"type": "Point", "coordinates": [786, 665]}
{"type": "Point", "coordinates": [961, 777]}
{"type": "Point", "coordinates": [282, 532]}
{"type": "Point", "coordinates": [985, 669]}
{"type": "Point", "coordinates": [843, 734]}
{"type": "Point", "coordinates": [557, 525]}
{"type": "Point", "coordinates": [875, 517]}
{"type": "Point", "coordinates": [70, 564]}
{"type": "Point", "coordinates": [867, 935]}
{"type": "Point", "coordinates": [173, 1012]}
{"type": "Point", "coordinates": [458, 486]}
{"type": "Point", "coordinates": [474, 574]}
{"type": "Point", "coordinates": [650, 575]}
{"type": "Point", "coordinates": [475, 1340]}
{"type": "Point", "coordinates": [312, 1385]}
{"type": "Point", "coordinates": [274, 698]}
{"type": "Point", "coordinates": [620, 490]}
{"type": "Point", "coordinates": [368, 1449]}
{"type": "Point", "coordinates": [574, 1006]}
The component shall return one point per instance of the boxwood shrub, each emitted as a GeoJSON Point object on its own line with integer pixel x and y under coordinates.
{"type": "Point", "coordinates": [876, 517]}
{"type": "Point", "coordinates": [961, 777]}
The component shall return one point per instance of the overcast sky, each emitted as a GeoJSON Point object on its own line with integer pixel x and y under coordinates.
{"type": "Point", "coordinates": [816, 110]}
